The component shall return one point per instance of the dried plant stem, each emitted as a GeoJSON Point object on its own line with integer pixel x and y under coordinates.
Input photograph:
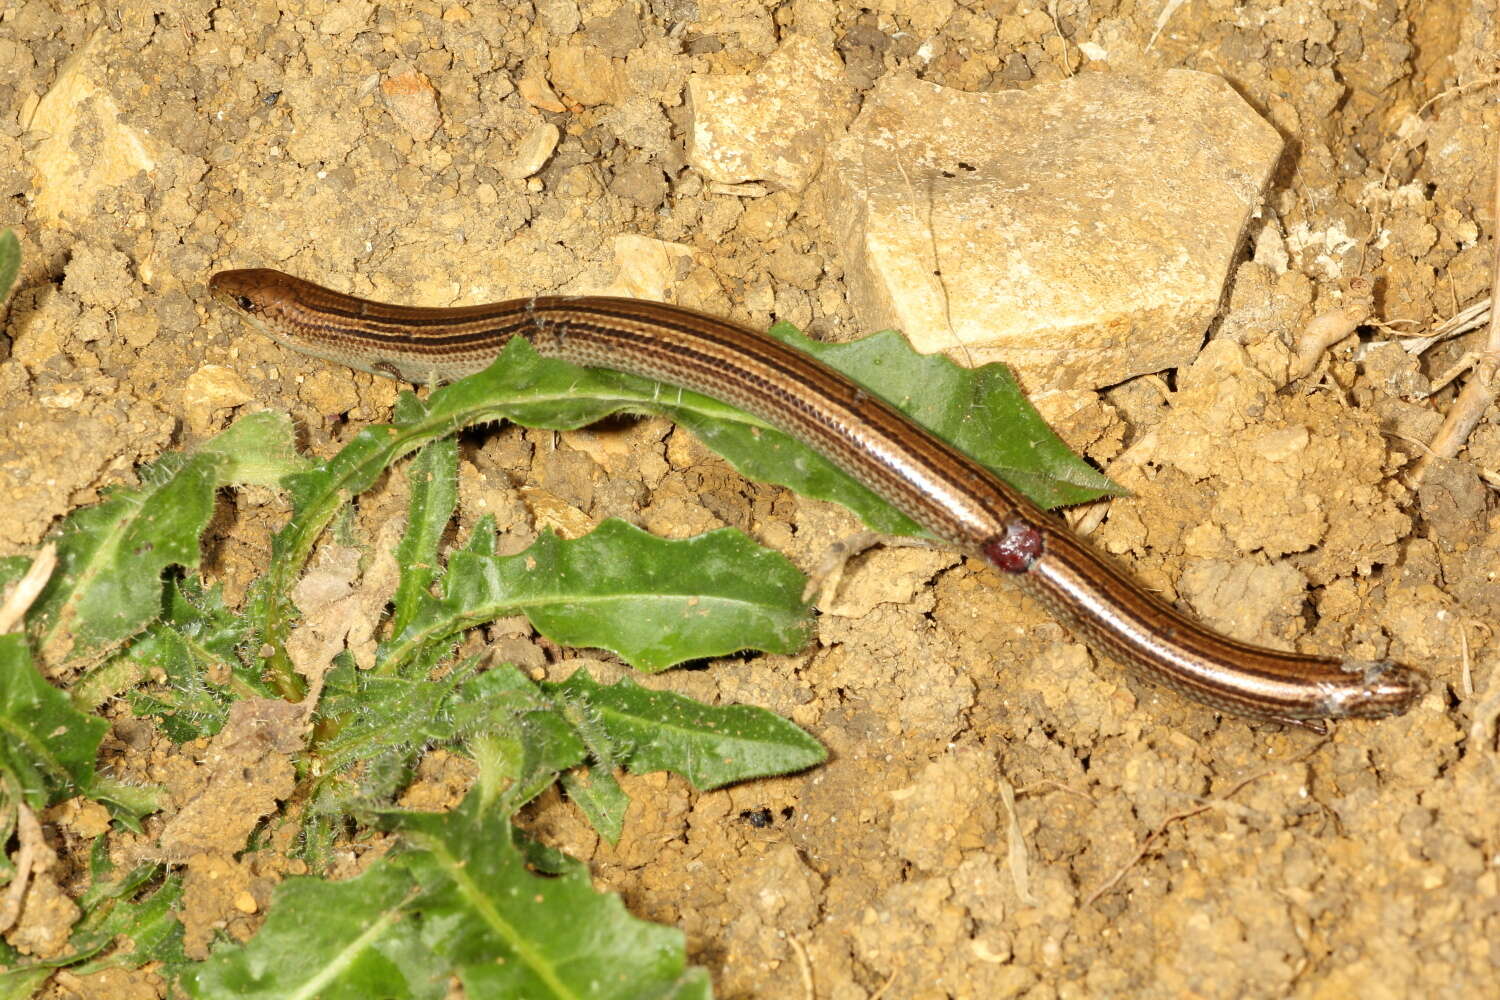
{"type": "Point", "coordinates": [1479, 391]}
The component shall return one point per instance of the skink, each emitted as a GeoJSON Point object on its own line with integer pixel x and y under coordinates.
{"type": "Point", "coordinates": [948, 493]}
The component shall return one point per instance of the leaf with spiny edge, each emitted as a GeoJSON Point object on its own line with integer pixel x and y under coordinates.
{"type": "Point", "coordinates": [107, 585]}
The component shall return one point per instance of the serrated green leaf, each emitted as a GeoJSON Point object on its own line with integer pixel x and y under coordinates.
{"type": "Point", "coordinates": [47, 747]}
{"type": "Point", "coordinates": [349, 940]}
{"type": "Point", "coordinates": [521, 741]}
{"type": "Point", "coordinates": [190, 665]}
{"type": "Point", "coordinates": [259, 449]}
{"type": "Point", "coordinates": [653, 601]}
{"type": "Point", "coordinates": [389, 713]}
{"type": "Point", "coordinates": [433, 475]}
{"type": "Point", "coordinates": [382, 724]}
{"type": "Point", "coordinates": [460, 899]}
{"type": "Point", "coordinates": [603, 802]}
{"type": "Point", "coordinates": [128, 803]}
{"type": "Point", "coordinates": [110, 557]}
{"type": "Point", "coordinates": [710, 745]}
{"type": "Point", "coordinates": [511, 933]}
{"type": "Point", "coordinates": [150, 924]}
{"type": "Point", "coordinates": [10, 261]}
{"type": "Point", "coordinates": [107, 585]}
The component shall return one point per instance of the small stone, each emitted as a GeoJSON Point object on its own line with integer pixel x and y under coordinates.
{"type": "Point", "coordinates": [533, 152]}
{"type": "Point", "coordinates": [774, 125]}
{"type": "Point", "coordinates": [210, 390]}
{"type": "Point", "coordinates": [536, 92]}
{"type": "Point", "coordinates": [412, 101]}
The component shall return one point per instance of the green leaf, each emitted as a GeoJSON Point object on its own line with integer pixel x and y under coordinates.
{"type": "Point", "coordinates": [377, 727]}
{"type": "Point", "coordinates": [10, 261]}
{"type": "Point", "coordinates": [653, 601]}
{"type": "Point", "coordinates": [389, 713]}
{"type": "Point", "coordinates": [349, 940]}
{"type": "Point", "coordinates": [190, 664]}
{"type": "Point", "coordinates": [258, 449]}
{"type": "Point", "coordinates": [433, 475]}
{"type": "Point", "coordinates": [47, 747]}
{"type": "Point", "coordinates": [22, 984]}
{"type": "Point", "coordinates": [710, 745]}
{"type": "Point", "coordinates": [596, 792]}
{"type": "Point", "coordinates": [980, 411]}
{"type": "Point", "coordinates": [150, 924]}
{"type": "Point", "coordinates": [461, 899]}
{"type": "Point", "coordinates": [107, 586]}
{"type": "Point", "coordinates": [521, 741]}
{"type": "Point", "coordinates": [512, 933]}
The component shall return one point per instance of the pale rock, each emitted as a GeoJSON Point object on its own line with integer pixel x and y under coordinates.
{"type": "Point", "coordinates": [648, 268]}
{"type": "Point", "coordinates": [533, 152]}
{"type": "Point", "coordinates": [773, 125]}
{"type": "Point", "coordinates": [89, 145]}
{"type": "Point", "coordinates": [209, 392]}
{"type": "Point", "coordinates": [586, 74]}
{"type": "Point", "coordinates": [412, 100]}
{"type": "Point", "coordinates": [1081, 232]}
{"type": "Point", "coordinates": [536, 92]}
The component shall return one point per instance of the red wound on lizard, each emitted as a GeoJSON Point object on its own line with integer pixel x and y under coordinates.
{"type": "Point", "coordinates": [1017, 549]}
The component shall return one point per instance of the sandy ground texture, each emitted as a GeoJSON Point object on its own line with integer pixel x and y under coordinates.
{"type": "Point", "coordinates": [1004, 813]}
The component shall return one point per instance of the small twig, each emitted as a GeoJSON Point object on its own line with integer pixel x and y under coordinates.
{"type": "Point", "coordinates": [1168, 9]}
{"type": "Point", "coordinates": [1466, 670]}
{"type": "Point", "coordinates": [1067, 68]}
{"type": "Point", "coordinates": [1016, 856]}
{"type": "Point", "coordinates": [1461, 322]}
{"type": "Point", "coordinates": [26, 589]}
{"type": "Point", "coordinates": [804, 964]}
{"type": "Point", "coordinates": [881, 992]}
{"type": "Point", "coordinates": [1155, 834]}
{"type": "Point", "coordinates": [32, 851]}
{"type": "Point", "coordinates": [1465, 361]}
{"type": "Point", "coordinates": [1480, 390]}
{"type": "Point", "coordinates": [1028, 790]}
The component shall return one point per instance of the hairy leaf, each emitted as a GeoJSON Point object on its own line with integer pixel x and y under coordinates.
{"type": "Point", "coordinates": [189, 661]}
{"type": "Point", "coordinates": [511, 933]}
{"type": "Point", "coordinates": [434, 494]}
{"type": "Point", "coordinates": [710, 745]}
{"type": "Point", "coordinates": [10, 261]}
{"type": "Point", "coordinates": [332, 940]}
{"type": "Point", "coordinates": [595, 791]}
{"type": "Point", "coordinates": [107, 585]}
{"type": "Point", "coordinates": [47, 747]}
{"type": "Point", "coordinates": [461, 899]}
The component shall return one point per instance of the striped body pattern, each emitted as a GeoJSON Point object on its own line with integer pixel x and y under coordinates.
{"type": "Point", "coordinates": [948, 493]}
